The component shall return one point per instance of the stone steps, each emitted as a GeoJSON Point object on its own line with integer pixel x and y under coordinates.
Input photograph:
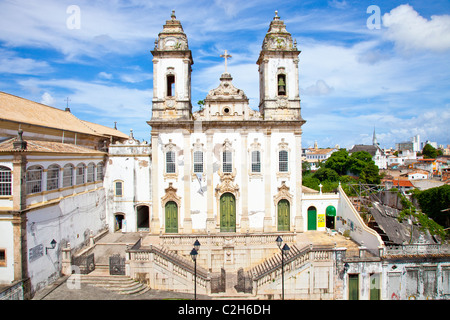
{"type": "Point", "coordinates": [117, 284]}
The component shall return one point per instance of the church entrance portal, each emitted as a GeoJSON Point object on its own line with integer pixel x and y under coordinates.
{"type": "Point", "coordinates": [171, 217]}
{"type": "Point", "coordinates": [142, 213]}
{"type": "Point", "coordinates": [283, 215]}
{"type": "Point", "coordinates": [227, 213]}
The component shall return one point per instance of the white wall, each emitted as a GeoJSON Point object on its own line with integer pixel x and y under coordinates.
{"type": "Point", "coordinates": [7, 243]}
{"type": "Point", "coordinates": [353, 222]}
{"type": "Point", "coordinates": [72, 220]}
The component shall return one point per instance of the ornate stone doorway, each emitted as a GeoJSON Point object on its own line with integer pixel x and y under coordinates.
{"type": "Point", "coordinates": [284, 215]}
{"type": "Point", "coordinates": [227, 213]}
{"type": "Point", "coordinates": [171, 211]}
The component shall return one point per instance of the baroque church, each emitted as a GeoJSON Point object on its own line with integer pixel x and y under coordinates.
{"type": "Point", "coordinates": [225, 181]}
{"type": "Point", "coordinates": [226, 168]}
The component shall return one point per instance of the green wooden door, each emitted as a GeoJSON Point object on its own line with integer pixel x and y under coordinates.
{"type": "Point", "coordinates": [283, 215]}
{"type": "Point", "coordinates": [171, 217]}
{"type": "Point", "coordinates": [353, 287]}
{"type": "Point", "coordinates": [375, 292]}
{"type": "Point", "coordinates": [227, 213]}
{"type": "Point", "coordinates": [312, 218]}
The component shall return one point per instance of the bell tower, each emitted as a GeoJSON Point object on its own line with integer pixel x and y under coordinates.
{"type": "Point", "coordinates": [278, 74]}
{"type": "Point", "coordinates": [172, 61]}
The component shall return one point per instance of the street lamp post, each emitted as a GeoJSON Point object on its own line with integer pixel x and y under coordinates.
{"type": "Point", "coordinates": [194, 253]}
{"type": "Point", "coordinates": [284, 250]}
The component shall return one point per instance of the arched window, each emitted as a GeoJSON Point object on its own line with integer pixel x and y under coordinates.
{"type": "Point", "coordinates": [34, 179]}
{"type": "Point", "coordinates": [80, 173]}
{"type": "Point", "coordinates": [100, 171]}
{"type": "Point", "coordinates": [53, 177]}
{"type": "Point", "coordinates": [68, 175]}
{"type": "Point", "coordinates": [5, 181]}
{"type": "Point", "coordinates": [91, 172]}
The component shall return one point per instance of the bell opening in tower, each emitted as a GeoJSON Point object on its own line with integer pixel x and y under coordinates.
{"type": "Point", "coordinates": [170, 85]}
{"type": "Point", "coordinates": [281, 85]}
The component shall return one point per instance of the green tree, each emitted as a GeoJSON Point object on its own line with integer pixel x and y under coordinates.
{"type": "Point", "coordinates": [358, 161]}
{"type": "Point", "coordinates": [370, 174]}
{"type": "Point", "coordinates": [338, 161]}
{"type": "Point", "coordinates": [429, 152]}
{"type": "Point", "coordinates": [435, 202]}
{"type": "Point", "coordinates": [324, 174]}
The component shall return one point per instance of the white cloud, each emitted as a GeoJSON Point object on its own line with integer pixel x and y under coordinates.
{"type": "Point", "coordinates": [10, 63]}
{"type": "Point", "coordinates": [105, 75]}
{"type": "Point", "coordinates": [47, 99]}
{"type": "Point", "coordinates": [410, 31]}
{"type": "Point", "coordinates": [320, 88]}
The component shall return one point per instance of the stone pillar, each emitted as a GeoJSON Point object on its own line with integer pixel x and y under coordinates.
{"type": "Point", "coordinates": [210, 222]}
{"type": "Point", "coordinates": [19, 218]}
{"type": "Point", "coordinates": [298, 182]}
{"type": "Point", "coordinates": [155, 224]}
{"type": "Point", "coordinates": [187, 224]}
{"type": "Point", "coordinates": [66, 262]}
{"type": "Point", "coordinates": [268, 167]}
{"type": "Point", "coordinates": [244, 174]}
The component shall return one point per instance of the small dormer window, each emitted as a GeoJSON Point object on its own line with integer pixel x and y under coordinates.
{"type": "Point", "coordinates": [170, 85]}
{"type": "Point", "coordinates": [281, 85]}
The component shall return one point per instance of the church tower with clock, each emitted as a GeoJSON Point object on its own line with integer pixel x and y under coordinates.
{"type": "Point", "coordinates": [278, 74]}
{"type": "Point", "coordinates": [172, 61]}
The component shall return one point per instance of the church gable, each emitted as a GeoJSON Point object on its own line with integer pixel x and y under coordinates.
{"type": "Point", "coordinates": [226, 102]}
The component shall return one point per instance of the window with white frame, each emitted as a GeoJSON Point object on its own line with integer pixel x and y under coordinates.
{"type": "Point", "coordinates": [53, 177]}
{"type": "Point", "coordinates": [256, 161]}
{"type": "Point", "coordinates": [118, 188]}
{"type": "Point", "coordinates": [170, 162]}
{"type": "Point", "coordinates": [283, 161]}
{"type": "Point", "coordinates": [68, 175]}
{"type": "Point", "coordinates": [34, 179]}
{"type": "Point", "coordinates": [80, 173]}
{"type": "Point", "coordinates": [91, 172]}
{"type": "Point", "coordinates": [198, 161]}
{"type": "Point", "coordinates": [227, 161]}
{"type": "Point", "coordinates": [5, 181]}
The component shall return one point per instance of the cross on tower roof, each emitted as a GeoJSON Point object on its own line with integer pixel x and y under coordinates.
{"type": "Point", "coordinates": [226, 56]}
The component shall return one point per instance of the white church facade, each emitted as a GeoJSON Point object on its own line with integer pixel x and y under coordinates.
{"type": "Point", "coordinates": [226, 168]}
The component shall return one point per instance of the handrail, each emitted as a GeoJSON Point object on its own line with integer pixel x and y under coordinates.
{"type": "Point", "coordinates": [273, 264]}
{"type": "Point", "coordinates": [171, 257]}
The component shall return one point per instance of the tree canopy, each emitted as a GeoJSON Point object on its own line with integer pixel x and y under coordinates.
{"type": "Point", "coordinates": [435, 202]}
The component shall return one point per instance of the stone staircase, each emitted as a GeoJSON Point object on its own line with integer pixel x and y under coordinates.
{"type": "Point", "coordinates": [117, 284]}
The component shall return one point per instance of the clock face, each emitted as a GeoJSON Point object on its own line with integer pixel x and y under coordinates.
{"type": "Point", "coordinates": [170, 42]}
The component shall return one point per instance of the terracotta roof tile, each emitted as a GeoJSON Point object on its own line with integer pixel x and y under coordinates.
{"type": "Point", "coordinates": [47, 146]}
{"type": "Point", "coordinates": [21, 110]}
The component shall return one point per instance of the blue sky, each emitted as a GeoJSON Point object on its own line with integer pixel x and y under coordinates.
{"type": "Point", "coordinates": [353, 77]}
